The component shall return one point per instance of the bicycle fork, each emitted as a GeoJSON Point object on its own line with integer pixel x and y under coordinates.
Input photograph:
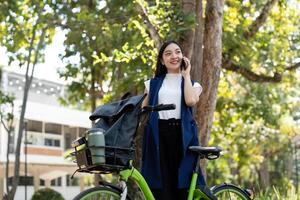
{"type": "Point", "coordinates": [137, 178]}
{"type": "Point", "coordinates": [123, 187]}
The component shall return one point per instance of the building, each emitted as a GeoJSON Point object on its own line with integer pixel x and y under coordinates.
{"type": "Point", "coordinates": [50, 130]}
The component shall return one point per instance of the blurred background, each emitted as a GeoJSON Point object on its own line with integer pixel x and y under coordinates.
{"type": "Point", "coordinates": [60, 59]}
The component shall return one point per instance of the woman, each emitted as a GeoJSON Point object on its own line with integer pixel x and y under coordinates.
{"type": "Point", "coordinates": [167, 165]}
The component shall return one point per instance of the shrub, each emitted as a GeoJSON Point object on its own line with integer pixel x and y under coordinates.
{"type": "Point", "coordinates": [47, 194]}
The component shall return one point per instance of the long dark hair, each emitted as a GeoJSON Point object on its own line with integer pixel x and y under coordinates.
{"type": "Point", "coordinates": [160, 68]}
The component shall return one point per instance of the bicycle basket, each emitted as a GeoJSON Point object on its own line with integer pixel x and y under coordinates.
{"type": "Point", "coordinates": [94, 160]}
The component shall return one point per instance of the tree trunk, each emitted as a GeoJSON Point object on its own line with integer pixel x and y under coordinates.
{"type": "Point", "coordinates": [187, 38]}
{"type": "Point", "coordinates": [197, 57]}
{"type": "Point", "coordinates": [28, 80]}
{"type": "Point", "coordinates": [8, 129]}
{"type": "Point", "coordinates": [212, 58]}
{"type": "Point", "coordinates": [264, 177]}
{"type": "Point", "coordinates": [19, 142]}
{"type": "Point", "coordinates": [7, 160]}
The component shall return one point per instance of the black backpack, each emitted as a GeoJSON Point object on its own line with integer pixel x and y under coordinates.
{"type": "Point", "coordinates": [119, 120]}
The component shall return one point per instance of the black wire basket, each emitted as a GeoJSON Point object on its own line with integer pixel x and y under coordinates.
{"type": "Point", "coordinates": [103, 159]}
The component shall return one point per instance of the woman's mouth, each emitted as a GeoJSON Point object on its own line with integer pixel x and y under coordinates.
{"type": "Point", "coordinates": [174, 62]}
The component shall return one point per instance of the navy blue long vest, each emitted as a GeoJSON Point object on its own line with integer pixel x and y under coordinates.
{"type": "Point", "coordinates": [150, 159]}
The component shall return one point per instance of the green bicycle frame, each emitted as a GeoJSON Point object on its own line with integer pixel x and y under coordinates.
{"type": "Point", "coordinates": [194, 193]}
{"type": "Point", "coordinates": [139, 179]}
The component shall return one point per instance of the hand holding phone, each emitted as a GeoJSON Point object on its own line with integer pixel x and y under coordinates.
{"type": "Point", "coordinates": [185, 67]}
{"type": "Point", "coordinates": [183, 64]}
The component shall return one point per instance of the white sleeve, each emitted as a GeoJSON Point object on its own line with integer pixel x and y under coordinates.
{"type": "Point", "coordinates": [196, 84]}
{"type": "Point", "coordinates": [147, 85]}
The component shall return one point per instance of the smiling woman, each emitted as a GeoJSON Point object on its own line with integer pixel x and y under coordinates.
{"type": "Point", "coordinates": [167, 165]}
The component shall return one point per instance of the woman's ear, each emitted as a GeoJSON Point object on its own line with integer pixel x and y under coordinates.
{"type": "Point", "coordinates": [162, 62]}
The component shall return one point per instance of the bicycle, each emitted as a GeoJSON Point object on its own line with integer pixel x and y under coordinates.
{"type": "Point", "coordinates": [115, 160]}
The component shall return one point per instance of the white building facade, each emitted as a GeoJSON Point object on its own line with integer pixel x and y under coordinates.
{"type": "Point", "coordinates": [51, 128]}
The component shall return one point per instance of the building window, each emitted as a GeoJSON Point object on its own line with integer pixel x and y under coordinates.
{"type": "Point", "coordinates": [72, 182]}
{"type": "Point", "coordinates": [53, 128]}
{"type": "Point", "coordinates": [42, 182]}
{"type": "Point", "coordinates": [36, 126]}
{"type": "Point", "coordinates": [52, 142]}
{"type": "Point", "coordinates": [22, 181]}
{"type": "Point", "coordinates": [56, 182]}
{"type": "Point", "coordinates": [57, 143]}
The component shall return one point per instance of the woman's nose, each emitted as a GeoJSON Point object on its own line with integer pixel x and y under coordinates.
{"type": "Point", "coordinates": [173, 55]}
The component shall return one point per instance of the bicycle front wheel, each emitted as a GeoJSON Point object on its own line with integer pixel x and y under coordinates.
{"type": "Point", "coordinates": [230, 192]}
{"type": "Point", "coordinates": [100, 193]}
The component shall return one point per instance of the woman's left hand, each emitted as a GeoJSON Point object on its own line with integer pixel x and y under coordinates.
{"type": "Point", "coordinates": [186, 73]}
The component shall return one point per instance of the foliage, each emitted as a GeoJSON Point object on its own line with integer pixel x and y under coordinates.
{"type": "Point", "coordinates": [101, 62]}
{"type": "Point", "coordinates": [18, 26]}
{"type": "Point", "coordinates": [247, 127]}
{"type": "Point", "coordinates": [47, 194]}
{"type": "Point", "coordinates": [273, 48]}
{"type": "Point", "coordinates": [254, 122]}
{"type": "Point", "coordinates": [6, 106]}
{"type": "Point", "coordinates": [120, 53]}
{"type": "Point", "coordinates": [6, 103]}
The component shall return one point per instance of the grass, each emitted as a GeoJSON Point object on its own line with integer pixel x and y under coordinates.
{"type": "Point", "coordinates": [274, 194]}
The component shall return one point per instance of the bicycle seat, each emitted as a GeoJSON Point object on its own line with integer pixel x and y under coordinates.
{"type": "Point", "coordinates": [209, 153]}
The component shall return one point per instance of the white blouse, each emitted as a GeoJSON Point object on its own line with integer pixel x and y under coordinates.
{"type": "Point", "coordinates": [170, 93]}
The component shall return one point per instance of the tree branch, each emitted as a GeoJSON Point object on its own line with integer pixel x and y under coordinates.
{"type": "Point", "coordinates": [39, 46]}
{"type": "Point", "coordinates": [151, 28]}
{"type": "Point", "coordinates": [260, 78]}
{"type": "Point", "coordinates": [5, 127]}
{"type": "Point", "coordinates": [31, 46]}
{"type": "Point", "coordinates": [293, 67]}
{"type": "Point", "coordinates": [248, 74]}
{"type": "Point", "coordinates": [260, 20]}
{"type": "Point", "coordinates": [253, 28]}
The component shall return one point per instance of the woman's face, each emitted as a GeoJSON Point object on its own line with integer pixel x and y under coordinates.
{"type": "Point", "coordinates": [172, 57]}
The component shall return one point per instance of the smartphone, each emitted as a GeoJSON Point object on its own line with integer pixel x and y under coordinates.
{"type": "Point", "coordinates": [183, 65]}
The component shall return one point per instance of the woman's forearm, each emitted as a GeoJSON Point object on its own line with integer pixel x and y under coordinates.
{"type": "Point", "coordinates": [191, 94]}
